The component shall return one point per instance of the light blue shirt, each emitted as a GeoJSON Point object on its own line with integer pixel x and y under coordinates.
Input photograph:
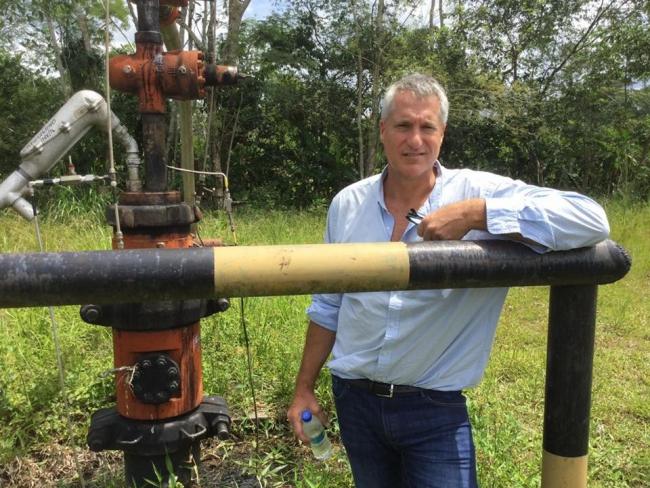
{"type": "Point", "coordinates": [439, 339]}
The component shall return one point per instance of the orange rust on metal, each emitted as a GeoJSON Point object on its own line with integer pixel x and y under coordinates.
{"type": "Point", "coordinates": [183, 77]}
{"type": "Point", "coordinates": [214, 242]}
{"type": "Point", "coordinates": [148, 241]}
{"type": "Point", "coordinates": [150, 198]}
{"type": "Point", "coordinates": [154, 75]}
{"type": "Point", "coordinates": [183, 345]}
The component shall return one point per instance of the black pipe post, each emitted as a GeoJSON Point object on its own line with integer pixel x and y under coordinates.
{"type": "Point", "coordinates": [153, 122]}
{"type": "Point", "coordinates": [140, 470]}
{"type": "Point", "coordinates": [148, 15]}
{"type": "Point", "coordinates": [569, 363]}
{"type": "Point", "coordinates": [155, 159]}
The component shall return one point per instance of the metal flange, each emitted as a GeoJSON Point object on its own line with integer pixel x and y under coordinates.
{"type": "Point", "coordinates": [110, 431]}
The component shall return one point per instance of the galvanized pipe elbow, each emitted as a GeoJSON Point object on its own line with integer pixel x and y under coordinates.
{"type": "Point", "coordinates": [74, 119]}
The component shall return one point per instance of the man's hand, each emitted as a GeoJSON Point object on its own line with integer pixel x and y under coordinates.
{"type": "Point", "coordinates": [318, 345]}
{"type": "Point", "coordinates": [453, 221]}
{"type": "Point", "coordinates": [304, 400]}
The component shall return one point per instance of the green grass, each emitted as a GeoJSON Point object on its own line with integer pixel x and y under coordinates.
{"type": "Point", "coordinates": [506, 409]}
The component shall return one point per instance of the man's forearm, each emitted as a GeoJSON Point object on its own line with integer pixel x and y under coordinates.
{"type": "Point", "coordinates": [318, 345]}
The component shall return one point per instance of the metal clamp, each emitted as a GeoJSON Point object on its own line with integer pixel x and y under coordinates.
{"type": "Point", "coordinates": [132, 442]}
{"type": "Point", "coordinates": [196, 434]}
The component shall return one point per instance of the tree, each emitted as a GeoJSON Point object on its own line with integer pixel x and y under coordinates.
{"type": "Point", "coordinates": [20, 90]}
{"type": "Point", "coordinates": [551, 92]}
{"type": "Point", "coordinates": [51, 34]}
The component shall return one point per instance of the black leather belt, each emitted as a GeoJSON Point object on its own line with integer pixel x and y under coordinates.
{"type": "Point", "coordinates": [386, 390]}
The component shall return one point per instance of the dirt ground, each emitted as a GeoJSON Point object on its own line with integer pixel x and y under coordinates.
{"type": "Point", "coordinates": [55, 466]}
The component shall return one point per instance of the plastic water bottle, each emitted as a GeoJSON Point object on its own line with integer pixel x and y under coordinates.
{"type": "Point", "coordinates": [320, 444]}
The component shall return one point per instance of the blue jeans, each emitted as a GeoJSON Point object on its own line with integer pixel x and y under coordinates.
{"type": "Point", "coordinates": [413, 440]}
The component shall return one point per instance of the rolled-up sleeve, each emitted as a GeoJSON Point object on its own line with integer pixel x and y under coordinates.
{"type": "Point", "coordinates": [324, 307]}
{"type": "Point", "coordinates": [556, 220]}
{"type": "Point", "coordinates": [324, 310]}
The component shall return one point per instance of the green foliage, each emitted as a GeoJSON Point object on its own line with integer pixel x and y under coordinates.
{"type": "Point", "coordinates": [554, 93]}
{"type": "Point", "coordinates": [24, 101]}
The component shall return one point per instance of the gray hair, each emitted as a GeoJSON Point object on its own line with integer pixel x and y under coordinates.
{"type": "Point", "coordinates": [421, 86]}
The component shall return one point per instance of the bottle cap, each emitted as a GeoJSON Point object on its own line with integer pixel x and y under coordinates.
{"type": "Point", "coordinates": [306, 416]}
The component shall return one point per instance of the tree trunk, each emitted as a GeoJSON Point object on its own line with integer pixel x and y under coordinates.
{"type": "Point", "coordinates": [441, 13]}
{"type": "Point", "coordinates": [134, 16]}
{"type": "Point", "coordinates": [172, 131]}
{"type": "Point", "coordinates": [236, 9]}
{"type": "Point", "coordinates": [181, 32]}
{"type": "Point", "coordinates": [190, 20]}
{"type": "Point", "coordinates": [373, 134]}
{"type": "Point", "coordinates": [205, 32]}
{"type": "Point", "coordinates": [58, 55]}
{"type": "Point", "coordinates": [211, 33]}
{"type": "Point", "coordinates": [230, 55]}
{"type": "Point", "coordinates": [82, 19]}
{"type": "Point", "coordinates": [214, 145]}
{"type": "Point", "coordinates": [362, 168]}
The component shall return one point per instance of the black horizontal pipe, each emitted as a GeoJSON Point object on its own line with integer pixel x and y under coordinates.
{"type": "Point", "coordinates": [486, 264]}
{"type": "Point", "coordinates": [141, 275]}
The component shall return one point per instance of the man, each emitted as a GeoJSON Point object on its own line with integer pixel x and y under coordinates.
{"type": "Point", "coordinates": [401, 359]}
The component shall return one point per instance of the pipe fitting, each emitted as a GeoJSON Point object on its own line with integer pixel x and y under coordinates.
{"type": "Point", "coordinates": [73, 120]}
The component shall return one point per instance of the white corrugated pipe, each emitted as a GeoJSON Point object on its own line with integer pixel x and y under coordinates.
{"type": "Point", "coordinates": [82, 111]}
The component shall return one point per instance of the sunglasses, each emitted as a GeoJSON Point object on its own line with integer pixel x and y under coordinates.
{"type": "Point", "coordinates": [414, 217]}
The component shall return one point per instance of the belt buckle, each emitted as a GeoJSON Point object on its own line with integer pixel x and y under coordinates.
{"type": "Point", "coordinates": [389, 394]}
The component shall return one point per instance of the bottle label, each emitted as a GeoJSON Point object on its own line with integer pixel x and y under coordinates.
{"type": "Point", "coordinates": [318, 438]}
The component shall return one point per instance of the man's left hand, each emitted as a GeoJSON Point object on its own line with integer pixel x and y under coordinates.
{"type": "Point", "coordinates": [453, 221]}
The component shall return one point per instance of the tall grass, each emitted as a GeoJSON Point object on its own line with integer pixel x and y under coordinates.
{"type": "Point", "coordinates": [506, 409]}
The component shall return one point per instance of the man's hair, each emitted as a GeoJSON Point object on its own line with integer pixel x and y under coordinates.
{"type": "Point", "coordinates": [421, 86]}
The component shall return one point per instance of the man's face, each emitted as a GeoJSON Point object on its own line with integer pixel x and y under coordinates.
{"type": "Point", "coordinates": [412, 134]}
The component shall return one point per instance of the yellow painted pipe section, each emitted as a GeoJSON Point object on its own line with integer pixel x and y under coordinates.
{"type": "Point", "coordinates": [563, 472]}
{"type": "Point", "coordinates": [302, 269]}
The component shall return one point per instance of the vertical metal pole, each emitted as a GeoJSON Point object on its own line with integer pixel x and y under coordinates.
{"type": "Point", "coordinates": [142, 471]}
{"type": "Point", "coordinates": [148, 15]}
{"type": "Point", "coordinates": [154, 126]}
{"type": "Point", "coordinates": [572, 321]}
{"type": "Point", "coordinates": [155, 159]}
{"type": "Point", "coordinates": [140, 468]}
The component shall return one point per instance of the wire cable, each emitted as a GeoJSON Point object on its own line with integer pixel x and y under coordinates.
{"type": "Point", "coordinates": [119, 237]}
{"type": "Point", "coordinates": [249, 363]}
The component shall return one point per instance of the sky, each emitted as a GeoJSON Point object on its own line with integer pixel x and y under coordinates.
{"type": "Point", "coordinates": [257, 9]}
{"type": "Point", "coordinates": [260, 9]}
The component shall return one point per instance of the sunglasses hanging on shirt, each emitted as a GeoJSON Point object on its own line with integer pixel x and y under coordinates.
{"type": "Point", "coordinates": [414, 217]}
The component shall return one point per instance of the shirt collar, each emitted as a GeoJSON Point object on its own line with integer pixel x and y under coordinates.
{"type": "Point", "coordinates": [379, 185]}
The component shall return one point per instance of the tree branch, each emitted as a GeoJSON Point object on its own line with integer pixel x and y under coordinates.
{"type": "Point", "coordinates": [190, 33]}
{"type": "Point", "coordinates": [577, 46]}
